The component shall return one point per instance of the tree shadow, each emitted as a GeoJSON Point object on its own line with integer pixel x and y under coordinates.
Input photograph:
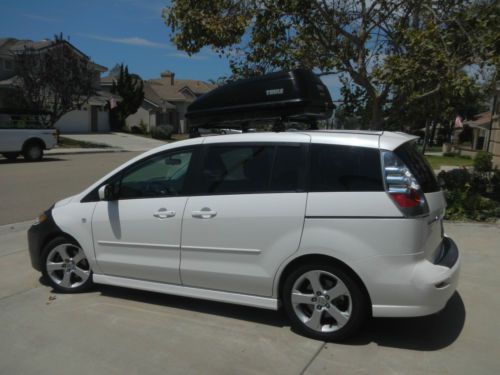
{"type": "Point", "coordinates": [23, 161]}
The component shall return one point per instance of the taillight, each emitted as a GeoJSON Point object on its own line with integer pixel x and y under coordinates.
{"type": "Point", "coordinates": [402, 186]}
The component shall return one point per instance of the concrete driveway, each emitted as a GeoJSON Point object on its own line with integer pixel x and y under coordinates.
{"type": "Point", "coordinates": [122, 331]}
{"type": "Point", "coordinates": [123, 141]}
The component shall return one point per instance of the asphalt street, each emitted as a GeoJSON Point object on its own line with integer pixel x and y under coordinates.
{"type": "Point", "coordinates": [27, 189]}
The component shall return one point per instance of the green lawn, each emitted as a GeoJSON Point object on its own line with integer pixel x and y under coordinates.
{"type": "Point", "coordinates": [73, 143]}
{"type": "Point", "coordinates": [459, 161]}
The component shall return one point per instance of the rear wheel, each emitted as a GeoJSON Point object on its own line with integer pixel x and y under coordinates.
{"type": "Point", "coordinates": [33, 151]}
{"type": "Point", "coordinates": [10, 155]}
{"type": "Point", "coordinates": [324, 302]}
{"type": "Point", "coordinates": [65, 266]}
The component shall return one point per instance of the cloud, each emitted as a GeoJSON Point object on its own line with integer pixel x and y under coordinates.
{"type": "Point", "coordinates": [131, 41]}
{"type": "Point", "coordinates": [39, 18]}
{"type": "Point", "coordinates": [182, 55]}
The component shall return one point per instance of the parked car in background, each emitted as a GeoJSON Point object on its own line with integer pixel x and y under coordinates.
{"type": "Point", "coordinates": [30, 143]}
{"type": "Point", "coordinates": [333, 226]}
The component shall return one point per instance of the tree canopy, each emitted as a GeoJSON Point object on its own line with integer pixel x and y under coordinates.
{"type": "Point", "coordinates": [131, 89]}
{"type": "Point", "coordinates": [391, 55]}
{"type": "Point", "coordinates": [53, 80]}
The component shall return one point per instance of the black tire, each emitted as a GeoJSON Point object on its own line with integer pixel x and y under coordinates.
{"type": "Point", "coordinates": [78, 284]}
{"type": "Point", "coordinates": [10, 155]}
{"type": "Point", "coordinates": [358, 312]}
{"type": "Point", "coordinates": [33, 151]}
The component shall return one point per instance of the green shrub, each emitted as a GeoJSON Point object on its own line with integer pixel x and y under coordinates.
{"type": "Point", "coordinates": [450, 154]}
{"type": "Point", "coordinates": [483, 162]}
{"type": "Point", "coordinates": [467, 195]}
{"type": "Point", "coordinates": [163, 132]}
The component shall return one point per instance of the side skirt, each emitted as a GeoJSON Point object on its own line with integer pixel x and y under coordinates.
{"type": "Point", "coordinates": [179, 290]}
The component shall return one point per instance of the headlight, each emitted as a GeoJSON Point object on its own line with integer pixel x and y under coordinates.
{"type": "Point", "coordinates": [40, 219]}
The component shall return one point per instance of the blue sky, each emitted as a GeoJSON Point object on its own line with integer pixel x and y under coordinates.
{"type": "Point", "coordinates": [114, 31]}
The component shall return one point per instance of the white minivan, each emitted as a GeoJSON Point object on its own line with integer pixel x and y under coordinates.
{"type": "Point", "coordinates": [334, 226]}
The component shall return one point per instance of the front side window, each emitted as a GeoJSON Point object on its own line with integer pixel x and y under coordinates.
{"type": "Point", "coordinates": [160, 176]}
{"type": "Point", "coordinates": [344, 168]}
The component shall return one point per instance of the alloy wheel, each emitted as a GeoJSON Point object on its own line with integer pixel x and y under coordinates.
{"type": "Point", "coordinates": [321, 301]}
{"type": "Point", "coordinates": [67, 266]}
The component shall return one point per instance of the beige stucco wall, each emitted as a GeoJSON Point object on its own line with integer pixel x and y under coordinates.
{"type": "Point", "coordinates": [142, 114]}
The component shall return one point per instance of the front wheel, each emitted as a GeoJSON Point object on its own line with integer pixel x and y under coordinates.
{"type": "Point", "coordinates": [324, 302]}
{"type": "Point", "coordinates": [65, 266]}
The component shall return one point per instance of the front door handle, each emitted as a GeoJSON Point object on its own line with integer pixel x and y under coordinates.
{"type": "Point", "coordinates": [204, 213]}
{"type": "Point", "coordinates": [163, 213]}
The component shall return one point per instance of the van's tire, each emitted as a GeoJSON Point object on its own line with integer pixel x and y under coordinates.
{"type": "Point", "coordinates": [324, 302]}
{"type": "Point", "coordinates": [33, 151]}
{"type": "Point", "coordinates": [65, 266]}
{"type": "Point", "coordinates": [10, 155]}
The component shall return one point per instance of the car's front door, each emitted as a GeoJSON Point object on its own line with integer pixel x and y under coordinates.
{"type": "Point", "coordinates": [246, 219]}
{"type": "Point", "coordinates": [137, 234]}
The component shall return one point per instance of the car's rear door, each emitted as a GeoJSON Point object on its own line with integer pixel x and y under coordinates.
{"type": "Point", "coordinates": [247, 216]}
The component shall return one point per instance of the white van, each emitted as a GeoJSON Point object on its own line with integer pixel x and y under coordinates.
{"type": "Point", "coordinates": [335, 226]}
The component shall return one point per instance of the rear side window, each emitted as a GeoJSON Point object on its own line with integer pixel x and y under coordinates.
{"type": "Point", "coordinates": [418, 166]}
{"type": "Point", "coordinates": [344, 168]}
{"type": "Point", "coordinates": [250, 169]}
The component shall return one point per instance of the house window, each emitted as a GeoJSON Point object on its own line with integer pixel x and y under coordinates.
{"type": "Point", "coordinates": [8, 64]}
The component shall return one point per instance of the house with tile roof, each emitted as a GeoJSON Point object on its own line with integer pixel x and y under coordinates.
{"type": "Point", "coordinates": [165, 100]}
{"type": "Point", "coordinates": [92, 117]}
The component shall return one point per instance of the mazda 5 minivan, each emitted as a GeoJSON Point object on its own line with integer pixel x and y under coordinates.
{"type": "Point", "coordinates": [334, 226]}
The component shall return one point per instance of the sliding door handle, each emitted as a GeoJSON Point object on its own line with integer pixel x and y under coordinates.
{"type": "Point", "coordinates": [204, 213]}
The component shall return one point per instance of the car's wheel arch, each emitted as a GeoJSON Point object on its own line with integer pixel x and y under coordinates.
{"type": "Point", "coordinates": [34, 140]}
{"type": "Point", "coordinates": [302, 259]}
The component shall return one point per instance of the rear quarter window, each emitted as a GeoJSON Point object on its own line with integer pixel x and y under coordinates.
{"type": "Point", "coordinates": [418, 166]}
{"type": "Point", "coordinates": [344, 168]}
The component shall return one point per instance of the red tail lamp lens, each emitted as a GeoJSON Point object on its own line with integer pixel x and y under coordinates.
{"type": "Point", "coordinates": [405, 200]}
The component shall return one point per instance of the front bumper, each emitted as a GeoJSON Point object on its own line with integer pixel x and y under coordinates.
{"type": "Point", "coordinates": [425, 289]}
{"type": "Point", "coordinates": [38, 236]}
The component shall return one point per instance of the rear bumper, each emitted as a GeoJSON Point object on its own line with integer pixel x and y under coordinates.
{"type": "Point", "coordinates": [425, 290]}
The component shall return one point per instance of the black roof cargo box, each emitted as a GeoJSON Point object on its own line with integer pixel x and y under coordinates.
{"type": "Point", "coordinates": [297, 95]}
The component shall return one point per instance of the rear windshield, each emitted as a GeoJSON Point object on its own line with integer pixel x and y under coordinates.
{"type": "Point", "coordinates": [418, 166]}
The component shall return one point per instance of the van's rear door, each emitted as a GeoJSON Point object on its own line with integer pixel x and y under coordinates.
{"type": "Point", "coordinates": [423, 172]}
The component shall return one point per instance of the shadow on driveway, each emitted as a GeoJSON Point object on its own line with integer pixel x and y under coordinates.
{"type": "Point", "coordinates": [425, 333]}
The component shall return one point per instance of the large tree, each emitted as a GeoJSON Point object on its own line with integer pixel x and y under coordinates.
{"type": "Point", "coordinates": [131, 90]}
{"type": "Point", "coordinates": [52, 80]}
{"type": "Point", "coordinates": [355, 39]}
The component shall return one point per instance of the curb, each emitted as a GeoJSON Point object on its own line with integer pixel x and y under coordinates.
{"type": "Point", "coordinates": [16, 227]}
{"type": "Point", "coordinates": [89, 151]}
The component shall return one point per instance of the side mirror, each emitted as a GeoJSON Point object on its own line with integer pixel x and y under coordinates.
{"type": "Point", "coordinates": [107, 192]}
